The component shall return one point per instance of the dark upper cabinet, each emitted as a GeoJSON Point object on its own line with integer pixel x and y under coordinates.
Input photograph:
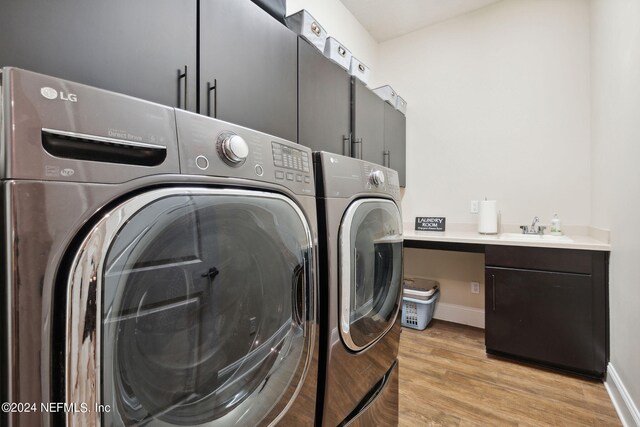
{"type": "Point", "coordinates": [333, 106]}
{"type": "Point", "coordinates": [248, 67]}
{"type": "Point", "coordinates": [324, 94]}
{"type": "Point", "coordinates": [367, 123]}
{"type": "Point", "coordinates": [136, 47]}
{"type": "Point", "coordinates": [552, 309]}
{"type": "Point", "coordinates": [395, 136]}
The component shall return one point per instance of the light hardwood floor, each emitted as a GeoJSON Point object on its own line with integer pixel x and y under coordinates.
{"type": "Point", "coordinates": [447, 379]}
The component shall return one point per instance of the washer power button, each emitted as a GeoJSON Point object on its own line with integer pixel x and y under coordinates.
{"type": "Point", "coordinates": [202, 162]}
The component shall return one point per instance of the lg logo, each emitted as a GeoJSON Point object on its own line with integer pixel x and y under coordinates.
{"type": "Point", "coordinates": [51, 93]}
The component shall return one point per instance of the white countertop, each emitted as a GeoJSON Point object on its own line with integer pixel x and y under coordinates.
{"type": "Point", "coordinates": [579, 241]}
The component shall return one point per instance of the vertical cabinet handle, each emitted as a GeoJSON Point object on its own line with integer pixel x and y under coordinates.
{"type": "Point", "coordinates": [386, 162]}
{"type": "Point", "coordinates": [356, 148]}
{"type": "Point", "coordinates": [213, 88]}
{"type": "Point", "coordinates": [182, 75]}
{"type": "Point", "coordinates": [346, 145]}
{"type": "Point", "coordinates": [493, 292]}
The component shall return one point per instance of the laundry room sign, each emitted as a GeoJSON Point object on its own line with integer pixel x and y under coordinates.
{"type": "Point", "coordinates": [430, 223]}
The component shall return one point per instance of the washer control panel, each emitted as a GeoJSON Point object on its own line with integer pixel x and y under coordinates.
{"type": "Point", "coordinates": [215, 148]}
{"type": "Point", "coordinates": [292, 164]}
{"type": "Point", "coordinates": [232, 148]}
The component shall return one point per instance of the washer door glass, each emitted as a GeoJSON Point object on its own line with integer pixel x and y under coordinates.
{"type": "Point", "coordinates": [203, 311]}
{"type": "Point", "coordinates": [370, 271]}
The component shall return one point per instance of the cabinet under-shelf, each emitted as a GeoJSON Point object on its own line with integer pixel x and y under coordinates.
{"type": "Point", "coordinates": [548, 306]}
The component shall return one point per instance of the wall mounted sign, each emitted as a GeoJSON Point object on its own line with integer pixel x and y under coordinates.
{"type": "Point", "coordinates": [430, 223]}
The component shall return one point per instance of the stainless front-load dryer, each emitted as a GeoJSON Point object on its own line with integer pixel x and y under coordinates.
{"type": "Point", "coordinates": [360, 236]}
{"type": "Point", "coordinates": [158, 266]}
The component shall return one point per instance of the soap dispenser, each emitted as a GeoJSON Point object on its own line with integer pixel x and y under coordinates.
{"type": "Point", "coordinates": [556, 226]}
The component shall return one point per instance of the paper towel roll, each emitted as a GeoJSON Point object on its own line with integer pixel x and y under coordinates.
{"type": "Point", "coordinates": [488, 217]}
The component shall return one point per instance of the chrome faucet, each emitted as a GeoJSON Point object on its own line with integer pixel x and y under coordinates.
{"type": "Point", "coordinates": [532, 229]}
{"type": "Point", "coordinates": [533, 224]}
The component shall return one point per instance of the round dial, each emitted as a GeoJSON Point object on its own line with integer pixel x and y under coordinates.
{"type": "Point", "coordinates": [377, 177]}
{"type": "Point", "coordinates": [233, 148]}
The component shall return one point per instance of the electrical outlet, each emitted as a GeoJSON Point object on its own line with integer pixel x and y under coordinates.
{"type": "Point", "coordinates": [475, 287]}
{"type": "Point", "coordinates": [474, 207]}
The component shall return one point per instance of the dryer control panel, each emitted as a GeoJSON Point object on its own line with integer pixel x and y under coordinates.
{"type": "Point", "coordinates": [216, 148]}
{"type": "Point", "coordinates": [346, 177]}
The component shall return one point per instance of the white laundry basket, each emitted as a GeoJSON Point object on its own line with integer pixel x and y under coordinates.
{"type": "Point", "coordinates": [418, 306]}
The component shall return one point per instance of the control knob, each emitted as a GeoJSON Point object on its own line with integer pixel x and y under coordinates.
{"type": "Point", "coordinates": [377, 178]}
{"type": "Point", "coordinates": [232, 148]}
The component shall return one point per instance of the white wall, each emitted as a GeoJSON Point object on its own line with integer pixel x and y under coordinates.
{"type": "Point", "coordinates": [453, 270]}
{"type": "Point", "coordinates": [615, 43]}
{"type": "Point", "coordinates": [344, 27]}
{"type": "Point", "coordinates": [498, 106]}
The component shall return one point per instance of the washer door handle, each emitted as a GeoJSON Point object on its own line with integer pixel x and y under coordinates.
{"type": "Point", "coordinates": [298, 293]}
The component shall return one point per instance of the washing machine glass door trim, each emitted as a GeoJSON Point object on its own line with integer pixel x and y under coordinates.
{"type": "Point", "coordinates": [83, 358]}
{"type": "Point", "coordinates": [369, 299]}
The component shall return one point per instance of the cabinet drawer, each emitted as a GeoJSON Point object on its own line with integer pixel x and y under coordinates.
{"type": "Point", "coordinates": [545, 259]}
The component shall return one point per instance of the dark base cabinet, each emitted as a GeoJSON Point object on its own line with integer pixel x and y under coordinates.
{"type": "Point", "coordinates": [548, 306]}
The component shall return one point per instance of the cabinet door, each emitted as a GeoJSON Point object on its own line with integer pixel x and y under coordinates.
{"type": "Point", "coordinates": [367, 123]}
{"type": "Point", "coordinates": [324, 92]}
{"type": "Point", "coordinates": [395, 135]}
{"type": "Point", "coordinates": [135, 47]}
{"type": "Point", "coordinates": [541, 316]}
{"type": "Point", "coordinates": [248, 67]}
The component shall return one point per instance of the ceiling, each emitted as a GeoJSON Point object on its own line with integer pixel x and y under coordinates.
{"type": "Point", "coordinates": [387, 19]}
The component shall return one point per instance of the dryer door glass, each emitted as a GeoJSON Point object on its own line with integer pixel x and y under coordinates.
{"type": "Point", "coordinates": [206, 305]}
{"type": "Point", "coordinates": [370, 271]}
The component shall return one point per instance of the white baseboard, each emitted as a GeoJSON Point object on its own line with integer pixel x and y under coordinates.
{"type": "Point", "coordinates": [626, 408]}
{"type": "Point", "coordinates": [460, 314]}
